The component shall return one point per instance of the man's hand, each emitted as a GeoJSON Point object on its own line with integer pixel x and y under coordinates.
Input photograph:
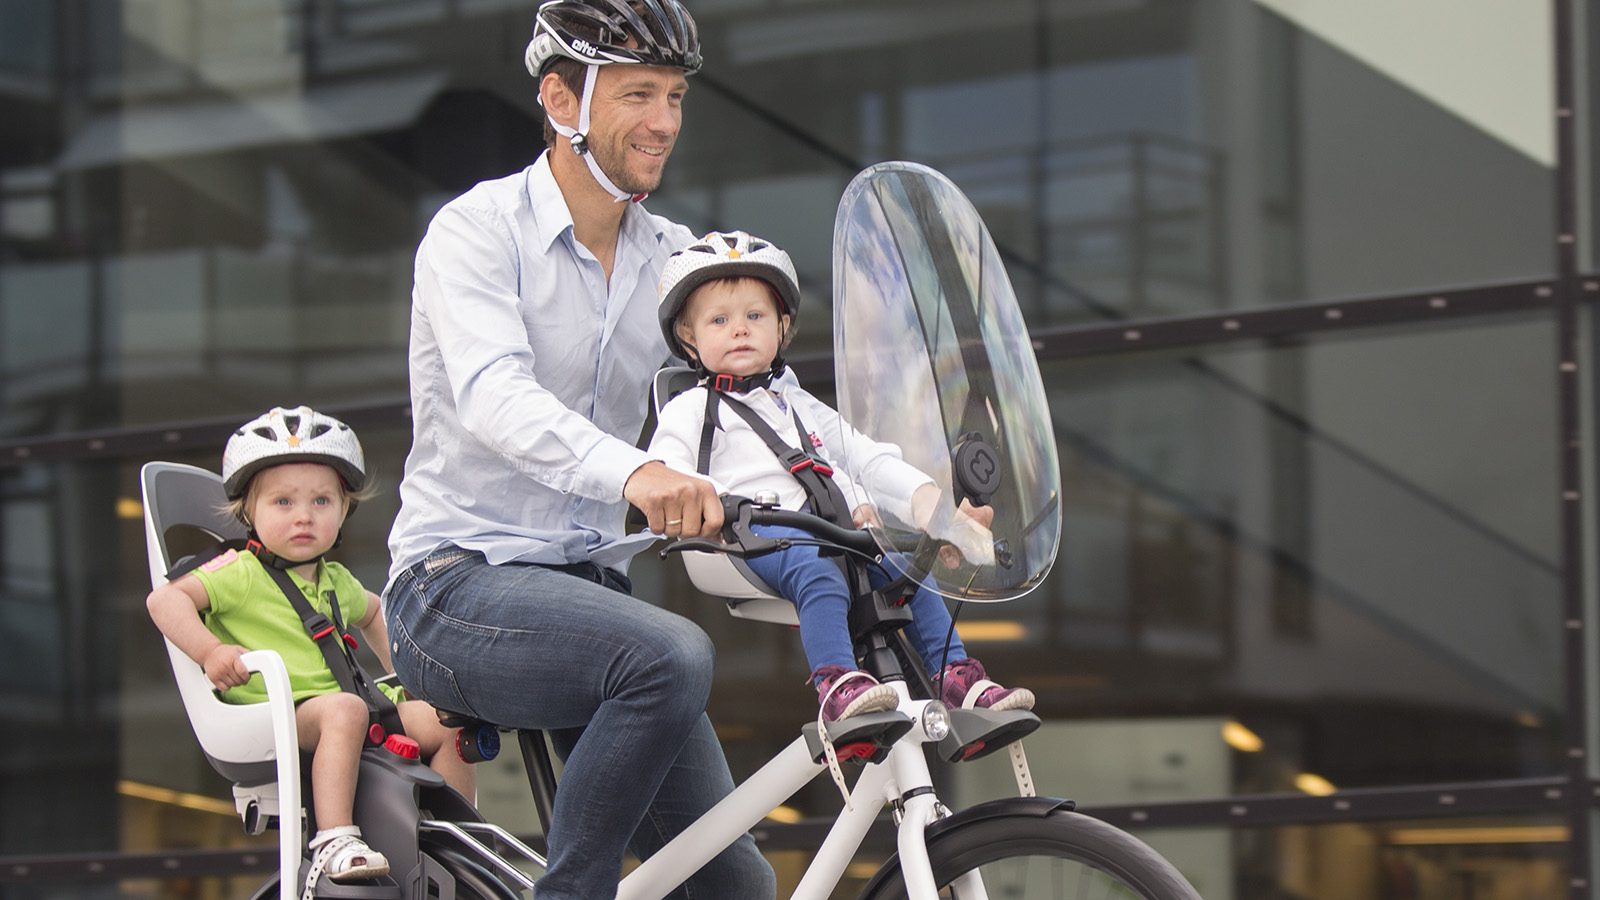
{"type": "Point", "coordinates": [675, 504]}
{"type": "Point", "coordinates": [224, 668]}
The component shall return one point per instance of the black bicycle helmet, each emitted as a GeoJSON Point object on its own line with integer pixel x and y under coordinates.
{"type": "Point", "coordinates": [601, 32]}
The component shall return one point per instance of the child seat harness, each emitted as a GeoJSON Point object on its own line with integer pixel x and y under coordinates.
{"type": "Point", "coordinates": [811, 470]}
{"type": "Point", "coordinates": [331, 637]}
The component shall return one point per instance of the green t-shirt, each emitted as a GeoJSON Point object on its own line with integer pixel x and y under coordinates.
{"type": "Point", "coordinates": [249, 609]}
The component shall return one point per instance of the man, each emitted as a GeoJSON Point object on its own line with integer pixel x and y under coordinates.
{"type": "Point", "coordinates": [533, 341]}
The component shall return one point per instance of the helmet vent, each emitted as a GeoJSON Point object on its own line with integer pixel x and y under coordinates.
{"type": "Point", "coordinates": [263, 431]}
{"type": "Point", "coordinates": [320, 429]}
{"type": "Point", "coordinates": [292, 423]}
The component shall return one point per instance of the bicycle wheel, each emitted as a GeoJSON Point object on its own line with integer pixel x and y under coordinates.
{"type": "Point", "coordinates": [1031, 857]}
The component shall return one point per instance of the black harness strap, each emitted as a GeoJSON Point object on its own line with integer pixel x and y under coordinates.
{"type": "Point", "coordinates": [331, 637]}
{"type": "Point", "coordinates": [812, 471]}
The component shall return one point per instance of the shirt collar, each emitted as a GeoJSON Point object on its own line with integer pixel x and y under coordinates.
{"type": "Point", "coordinates": [315, 584]}
{"type": "Point", "coordinates": [552, 218]}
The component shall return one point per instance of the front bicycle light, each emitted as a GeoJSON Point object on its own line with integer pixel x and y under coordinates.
{"type": "Point", "coordinates": [935, 720]}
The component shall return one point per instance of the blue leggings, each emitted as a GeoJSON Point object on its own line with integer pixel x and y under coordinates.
{"type": "Point", "coordinates": [818, 590]}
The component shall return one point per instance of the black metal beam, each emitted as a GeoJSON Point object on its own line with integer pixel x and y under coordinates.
{"type": "Point", "coordinates": [117, 866]}
{"type": "Point", "coordinates": [1277, 322]}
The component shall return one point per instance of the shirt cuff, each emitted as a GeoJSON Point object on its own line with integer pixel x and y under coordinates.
{"type": "Point", "coordinates": [606, 469]}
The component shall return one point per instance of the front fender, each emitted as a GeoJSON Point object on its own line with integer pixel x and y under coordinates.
{"type": "Point", "coordinates": [1036, 807]}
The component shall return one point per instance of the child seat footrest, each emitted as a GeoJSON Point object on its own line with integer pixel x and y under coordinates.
{"type": "Point", "coordinates": [382, 888]}
{"type": "Point", "coordinates": [976, 733]}
{"type": "Point", "coordinates": [870, 734]}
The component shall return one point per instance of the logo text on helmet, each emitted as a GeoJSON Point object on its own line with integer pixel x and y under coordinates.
{"type": "Point", "coordinates": [584, 47]}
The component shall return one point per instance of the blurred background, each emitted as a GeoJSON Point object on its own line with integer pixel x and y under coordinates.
{"type": "Point", "coordinates": [1302, 277]}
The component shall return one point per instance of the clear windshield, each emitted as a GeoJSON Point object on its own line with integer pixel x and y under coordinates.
{"type": "Point", "coordinates": [934, 362]}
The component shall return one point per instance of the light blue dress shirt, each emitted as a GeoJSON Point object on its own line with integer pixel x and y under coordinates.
{"type": "Point", "coordinates": [529, 378]}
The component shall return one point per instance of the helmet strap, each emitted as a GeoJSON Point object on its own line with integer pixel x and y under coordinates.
{"type": "Point", "coordinates": [578, 138]}
{"type": "Point", "coordinates": [268, 558]}
{"type": "Point", "coordinates": [741, 384]}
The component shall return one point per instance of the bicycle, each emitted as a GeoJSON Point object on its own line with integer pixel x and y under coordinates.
{"type": "Point", "coordinates": [1024, 846]}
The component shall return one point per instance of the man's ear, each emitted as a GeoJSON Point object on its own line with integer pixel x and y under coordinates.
{"type": "Point", "coordinates": [559, 103]}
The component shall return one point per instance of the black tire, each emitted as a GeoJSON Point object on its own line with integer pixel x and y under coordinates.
{"type": "Point", "coordinates": [1059, 855]}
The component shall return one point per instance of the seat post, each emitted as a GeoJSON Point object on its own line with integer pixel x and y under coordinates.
{"type": "Point", "coordinates": [541, 773]}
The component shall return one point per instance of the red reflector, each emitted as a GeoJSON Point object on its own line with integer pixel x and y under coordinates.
{"type": "Point", "coordinates": [858, 750]}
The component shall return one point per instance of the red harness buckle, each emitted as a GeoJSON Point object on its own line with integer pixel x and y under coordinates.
{"type": "Point", "coordinates": [317, 636]}
{"type": "Point", "coordinates": [820, 468]}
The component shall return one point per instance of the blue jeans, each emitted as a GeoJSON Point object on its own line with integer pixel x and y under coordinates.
{"type": "Point", "coordinates": [620, 685]}
{"type": "Point", "coordinates": [820, 594]}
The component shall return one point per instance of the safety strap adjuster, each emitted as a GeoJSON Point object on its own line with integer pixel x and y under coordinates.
{"type": "Point", "coordinates": [812, 463]}
{"type": "Point", "coordinates": [319, 626]}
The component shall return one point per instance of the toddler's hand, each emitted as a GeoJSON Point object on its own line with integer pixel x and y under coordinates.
{"type": "Point", "coordinates": [969, 533]}
{"type": "Point", "coordinates": [866, 516]}
{"type": "Point", "coordinates": [224, 668]}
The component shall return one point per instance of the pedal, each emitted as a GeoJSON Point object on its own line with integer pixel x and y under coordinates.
{"type": "Point", "coordinates": [866, 737]}
{"type": "Point", "coordinates": [976, 733]}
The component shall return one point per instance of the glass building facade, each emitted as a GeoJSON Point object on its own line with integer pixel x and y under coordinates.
{"type": "Point", "coordinates": [1312, 287]}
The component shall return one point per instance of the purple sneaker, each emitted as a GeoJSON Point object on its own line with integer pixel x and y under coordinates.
{"type": "Point", "coordinates": [967, 686]}
{"type": "Point", "coordinates": [858, 693]}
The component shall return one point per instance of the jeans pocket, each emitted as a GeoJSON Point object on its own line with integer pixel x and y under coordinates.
{"type": "Point", "coordinates": [423, 675]}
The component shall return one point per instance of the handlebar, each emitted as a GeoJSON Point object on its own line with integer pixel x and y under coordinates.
{"type": "Point", "coordinates": [739, 513]}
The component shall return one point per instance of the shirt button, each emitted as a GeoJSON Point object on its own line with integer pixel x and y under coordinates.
{"type": "Point", "coordinates": [396, 646]}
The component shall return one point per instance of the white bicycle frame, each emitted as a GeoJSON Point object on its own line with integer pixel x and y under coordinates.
{"type": "Point", "coordinates": [904, 771]}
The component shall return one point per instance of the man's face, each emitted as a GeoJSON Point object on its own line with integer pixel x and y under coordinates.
{"type": "Point", "coordinates": [633, 122]}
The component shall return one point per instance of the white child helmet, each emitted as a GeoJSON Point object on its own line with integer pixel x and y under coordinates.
{"type": "Point", "coordinates": [722, 254]}
{"type": "Point", "coordinates": [291, 435]}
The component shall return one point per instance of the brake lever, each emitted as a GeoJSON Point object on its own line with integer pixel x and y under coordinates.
{"type": "Point", "coordinates": [684, 545]}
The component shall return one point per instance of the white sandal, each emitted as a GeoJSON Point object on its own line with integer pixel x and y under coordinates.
{"type": "Point", "coordinates": [342, 855]}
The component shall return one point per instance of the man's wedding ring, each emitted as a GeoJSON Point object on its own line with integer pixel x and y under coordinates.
{"type": "Point", "coordinates": [674, 521]}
